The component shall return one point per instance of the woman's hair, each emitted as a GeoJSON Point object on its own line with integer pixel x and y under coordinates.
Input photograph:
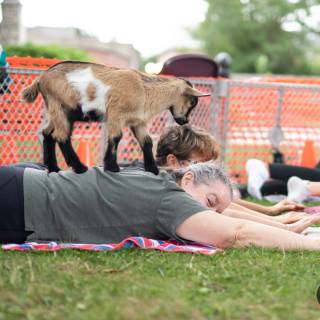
{"type": "Point", "coordinates": [182, 141]}
{"type": "Point", "coordinates": [204, 172]}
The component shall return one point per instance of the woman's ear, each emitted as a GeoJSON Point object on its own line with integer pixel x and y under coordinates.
{"type": "Point", "coordinates": [172, 161]}
{"type": "Point", "coordinates": [187, 180]}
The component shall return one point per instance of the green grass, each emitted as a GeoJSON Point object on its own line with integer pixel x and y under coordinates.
{"type": "Point", "coordinates": [134, 284]}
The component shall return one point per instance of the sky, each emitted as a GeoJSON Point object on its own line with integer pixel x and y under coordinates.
{"type": "Point", "coordinates": [152, 26]}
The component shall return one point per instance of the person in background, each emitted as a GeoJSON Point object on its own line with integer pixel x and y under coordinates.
{"type": "Point", "coordinates": [180, 146]}
{"type": "Point", "coordinates": [4, 77]}
{"type": "Point", "coordinates": [277, 178]}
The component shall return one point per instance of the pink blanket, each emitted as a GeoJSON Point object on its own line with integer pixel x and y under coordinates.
{"type": "Point", "coordinates": [139, 242]}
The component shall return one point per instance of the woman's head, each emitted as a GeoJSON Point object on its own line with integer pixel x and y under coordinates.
{"type": "Point", "coordinates": [206, 183]}
{"type": "Point", "coordinates": [181, 145]}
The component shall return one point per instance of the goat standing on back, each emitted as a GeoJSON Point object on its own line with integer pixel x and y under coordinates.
{"type": "Point", "coordinates": [82, 91]}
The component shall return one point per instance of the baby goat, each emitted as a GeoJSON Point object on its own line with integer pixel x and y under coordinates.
{"type": "Point", "coordinates": [83, 91]}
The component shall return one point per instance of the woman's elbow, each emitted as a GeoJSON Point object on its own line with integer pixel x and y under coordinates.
{"type": "Point", "coordinates": [235, 237]}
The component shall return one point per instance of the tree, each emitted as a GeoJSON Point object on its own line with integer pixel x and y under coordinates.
{"type": "Point", "coordinates": [261, 35]}
{"type": "Point", "coordinates": [50, 51]}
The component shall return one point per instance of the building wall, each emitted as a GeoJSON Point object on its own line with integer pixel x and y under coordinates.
{"type": "Point", "coordinates": [109, 58]}
{"type": "Point", "coordinates": [111, 53]}
{"type": "Point", "coordinates": [11, 30]}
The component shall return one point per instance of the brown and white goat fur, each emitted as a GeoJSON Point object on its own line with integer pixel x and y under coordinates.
{"type": "Point", "coordinates": [82, 91]}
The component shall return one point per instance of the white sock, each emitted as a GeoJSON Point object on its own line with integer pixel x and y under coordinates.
{"type": "Point", "coordinates": [297, 189]}
{"type": "Point", "coordinates": [257, 176]}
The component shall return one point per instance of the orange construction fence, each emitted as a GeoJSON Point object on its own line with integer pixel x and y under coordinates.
{"type": "Point", "coordinates": [290, 79]}
{"type": "Point", "coordinates": [31, 63]}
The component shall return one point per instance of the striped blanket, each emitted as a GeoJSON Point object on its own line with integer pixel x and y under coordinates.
{"type": "Point", "coordinates": [312, 210]}
{"type": "Point", "coordinates": [131, 242]}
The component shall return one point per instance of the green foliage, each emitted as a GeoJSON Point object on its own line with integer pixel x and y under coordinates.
{"type": "Point", "coordinates": [261, 35]}
{"type": "Point", "coordinates": [144, 61]}
{"type": "Point", "coordinates": [49, 51]}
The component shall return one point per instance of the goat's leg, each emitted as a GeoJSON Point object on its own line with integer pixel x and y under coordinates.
{"type": "Point", "coordinates": [62, 129]}
{"type": "Point", "coordinates": [145, 141]}
{"type": "Point", "coordinates": [110, 158]}
{"type": "Point", "coordinates": [49, 144]}
{"type": "Point", "coordinates": [49, 152]}
{"type": "Point", "coordinates": [71, 156]}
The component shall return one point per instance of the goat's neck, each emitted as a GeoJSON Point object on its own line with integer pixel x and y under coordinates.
{"type": "Point", "coordinates": [160, 98]}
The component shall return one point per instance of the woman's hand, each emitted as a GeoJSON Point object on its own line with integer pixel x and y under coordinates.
{"type": "Point", "coordinates": [304, 223]}
{"type": "Point", "coordinates": [284, 206]}
{"type": "Point", "coordinates": [291, 217]}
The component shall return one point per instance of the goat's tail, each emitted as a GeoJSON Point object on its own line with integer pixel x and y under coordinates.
{"type": "Point", "coordinates": [30, 94]}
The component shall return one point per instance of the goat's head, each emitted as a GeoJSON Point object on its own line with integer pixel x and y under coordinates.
{"type": "Point", "coordinates": [186, 101]}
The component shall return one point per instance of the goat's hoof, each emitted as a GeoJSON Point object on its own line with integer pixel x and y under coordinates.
{"type": "Point", "coordinates": [112, 168]}
{"type": "Point", "coordinates": [53, 168]}
{"type": "Point", "coordinates": [80, 169]}
{"type": "Point", "coordinates": [154, 170]}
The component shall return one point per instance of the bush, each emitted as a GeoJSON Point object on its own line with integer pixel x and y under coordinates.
{"type": "Point", "coordinates": [49, 51]}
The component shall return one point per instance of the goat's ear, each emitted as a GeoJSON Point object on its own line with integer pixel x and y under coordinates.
{"type": "Point", "coordinates": [196, 93]}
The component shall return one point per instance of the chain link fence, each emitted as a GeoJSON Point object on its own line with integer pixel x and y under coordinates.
{"type": "Point", "coordinates": [255, 114]}
{"type": "Point", "coordinates": [21, 123]}
{"type": "Point", "coordinates": [242, 115]}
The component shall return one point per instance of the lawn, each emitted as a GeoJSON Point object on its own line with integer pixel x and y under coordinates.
{"type": "Point", "coordinates": [134, 284]}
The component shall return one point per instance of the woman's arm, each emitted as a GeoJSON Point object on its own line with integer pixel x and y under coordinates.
{"type": "Point", "coordinates": [256, 217]}
{"type": "Point", "coordinates": [253, 206]}
{"type": "Point", "coordinates": [282, 206]}
{"type": "Point", "coordinates": [301, 224]}
{"type": "Point", "coordinates": [224, 232]}
{"type": "Point", "coordinates": [285, 218]}
{"type": "Point", "coordinates": [244, 209]}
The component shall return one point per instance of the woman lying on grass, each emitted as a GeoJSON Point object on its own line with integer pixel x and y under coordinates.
{"type": "Point", "coordinates": [105, 207]}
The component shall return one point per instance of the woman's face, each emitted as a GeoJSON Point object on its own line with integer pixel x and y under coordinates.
{"type": "Point", "coordinates": [215, 195]}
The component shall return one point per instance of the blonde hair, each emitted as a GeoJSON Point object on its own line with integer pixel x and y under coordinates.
{"type": "Point", "coordinates": [182, 141]}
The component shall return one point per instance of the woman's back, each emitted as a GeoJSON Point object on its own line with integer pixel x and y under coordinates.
{"type": "Point", "coordinates": [100, 206]}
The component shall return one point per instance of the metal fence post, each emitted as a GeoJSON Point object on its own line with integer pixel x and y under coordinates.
{"type": "Point", "coordinates": [215, 109]}
{"type": "Point", "coordinates": [104, 138]}
{"type": "Point", "coordinates": [279, 106]}
{"type": "Point", "coordinates": [223, 94]}
{"type": "Point", "coordinates": [276, 135]}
